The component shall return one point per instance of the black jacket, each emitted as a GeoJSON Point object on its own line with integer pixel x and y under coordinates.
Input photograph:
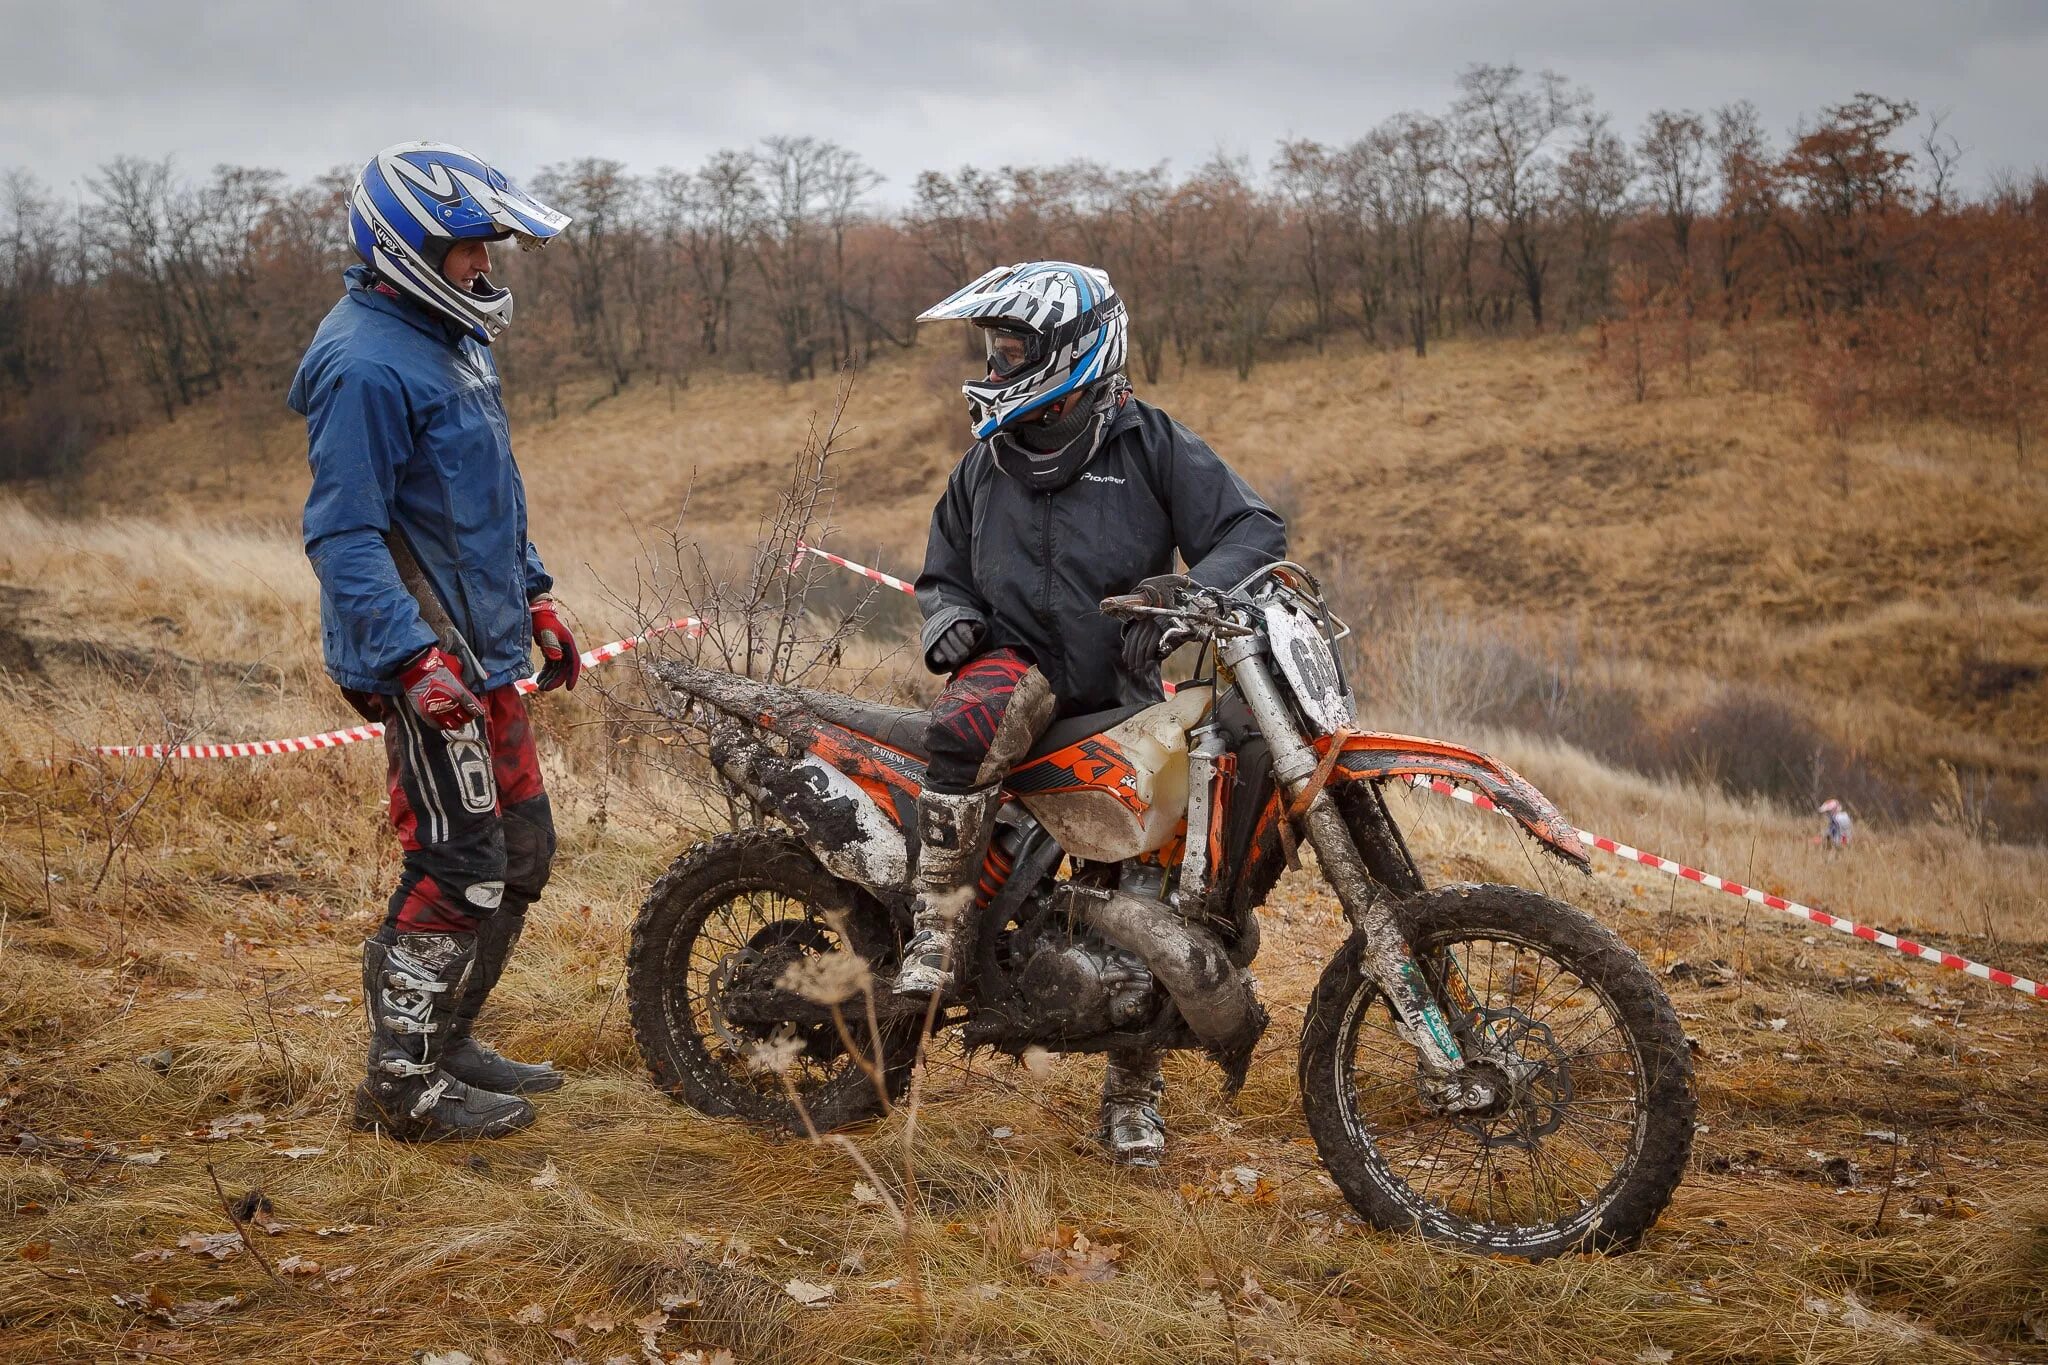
{"type": "Point", "coordinates": [1032, 567]}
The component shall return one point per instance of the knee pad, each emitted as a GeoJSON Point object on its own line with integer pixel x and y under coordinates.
{"type": "Point", "coordinates": [1024, 720]}
{"type": "Point", "coordinates": [529, 847]}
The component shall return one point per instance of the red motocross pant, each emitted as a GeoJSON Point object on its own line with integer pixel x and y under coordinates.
{"type": "Point", "coordinates": [471, 813]}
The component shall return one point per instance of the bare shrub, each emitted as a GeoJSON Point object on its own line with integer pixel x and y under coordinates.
{"type": "Point", "coordinates": [764, 611]}
{"type": "Point", "coordinates": [46, 437]}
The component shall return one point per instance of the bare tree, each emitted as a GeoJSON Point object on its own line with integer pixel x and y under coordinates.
{"type": "Point", "coordinates": [1747, 169]}
{"type": "Point", "coordinates": [1364, 199]}
{"type": "Point", "coordinates": [1417, 156]}
{"type": "Point", "coordinates": [1593, 181]}
{"type": "Point", "coordinates": [790, 244]}
{"type": "Point", "coordinates": [1509, 127]}
{"type": "Point", "coordinates": [1305, 173]}
{"type": "Point", "coordinates": [716, 211]}
{"type": "Point", "coordinates": [1940, 152]}
{"type": "Point", "coordinates": [845, 181]}
{"type": "Point", "coordinates": [602, 254]}
{"type": "Point", "coordinates": [1673, 149]}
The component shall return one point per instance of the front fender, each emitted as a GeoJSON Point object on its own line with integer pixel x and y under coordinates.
{"type": "Point", "coordinates": [1369, 755]}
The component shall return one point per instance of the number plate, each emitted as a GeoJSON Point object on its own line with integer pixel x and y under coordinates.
{"type": "Point", "coordinates": [1305, 660]}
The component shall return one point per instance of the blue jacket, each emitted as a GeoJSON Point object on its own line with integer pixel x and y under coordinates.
{"type": "Point", "coordinates": [406, 431]}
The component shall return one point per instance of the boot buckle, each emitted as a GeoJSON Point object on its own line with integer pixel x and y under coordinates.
{"type": "Point", "coordinates": [431, 1096]}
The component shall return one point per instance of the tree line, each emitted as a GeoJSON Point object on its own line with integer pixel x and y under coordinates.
{"type": "Point", "coordinates": [1520, 208]}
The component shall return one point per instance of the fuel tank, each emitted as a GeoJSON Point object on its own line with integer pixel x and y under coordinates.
{"type": "Point", "coordinates": [1123, 792]}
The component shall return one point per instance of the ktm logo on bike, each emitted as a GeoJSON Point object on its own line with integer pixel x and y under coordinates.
{"type": "Point", "coordinates": [1093, 764]}
{"type": "Point", "coordinates": [1102, 765]}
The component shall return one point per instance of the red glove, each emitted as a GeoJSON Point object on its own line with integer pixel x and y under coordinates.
{"type": "Point", "coordinates": [433, 684]}
{"type": "Point", "coordinates": [564, 661]}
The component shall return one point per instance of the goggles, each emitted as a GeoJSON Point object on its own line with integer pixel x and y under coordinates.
{"type": "Point", "coordinates": [1012, 349]}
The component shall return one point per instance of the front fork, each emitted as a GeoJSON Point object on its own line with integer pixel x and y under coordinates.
{"type": "Point", "coordinates": [1418, 1017]}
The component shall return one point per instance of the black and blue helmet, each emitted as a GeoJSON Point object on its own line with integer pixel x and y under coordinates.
{"type": "Point", "coordinates": [415, 200]}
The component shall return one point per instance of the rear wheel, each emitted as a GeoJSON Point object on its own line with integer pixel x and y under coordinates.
{"type": "Point", "coordinates": [1593, 1125]}
{"type": "Point", "coordinates": [731, 918]}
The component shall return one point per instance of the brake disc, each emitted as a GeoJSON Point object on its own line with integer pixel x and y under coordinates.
{"type": "Point", "coordinates": [717, 983]}
{"type": "Point", "coordinates": [1535, 1083]}
{"type": "Point", "coordinates": [758, 966]}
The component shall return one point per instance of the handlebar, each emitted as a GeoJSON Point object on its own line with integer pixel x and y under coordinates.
{"type": "Point", "coordinates": [1191, 614]}
{"type": "Point", "coordinates": [1128, 604]}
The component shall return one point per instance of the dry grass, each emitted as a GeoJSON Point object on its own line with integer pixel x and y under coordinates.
{"type": "Point", "coordinates": [177, 946]}
{"type": "Point", "coordinates": [1891, 584]}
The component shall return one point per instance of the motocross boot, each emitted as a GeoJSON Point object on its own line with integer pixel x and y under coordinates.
{"type": "Point", "coordinates": [952, 833]}
{"type": "Point", "coordinates": [409, 991]}
{"type": "Point", "coordinates": [462, 1056]}
{"type": "Point", "coordinates": [1131, 1127]}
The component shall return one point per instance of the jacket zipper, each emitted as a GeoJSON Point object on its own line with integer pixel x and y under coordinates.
{"type": "Point", "coordinates": [1052, 617]}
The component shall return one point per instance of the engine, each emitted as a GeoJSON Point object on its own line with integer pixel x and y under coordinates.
{"type": "Point", "coordinates": [1076, 986]}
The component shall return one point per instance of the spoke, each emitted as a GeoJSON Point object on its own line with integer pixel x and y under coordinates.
{"type": "Point", "coordinates": [1435, 1162]}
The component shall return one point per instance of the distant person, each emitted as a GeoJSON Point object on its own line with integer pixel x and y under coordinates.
{"type": "Point", "coordinates": [1073, 491]}
{"type": "Point", "coordinates": [1838, 828]}
{"type": "Point", "coordinates": [412, 465]}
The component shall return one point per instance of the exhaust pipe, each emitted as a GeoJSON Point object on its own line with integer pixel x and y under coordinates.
{"type": "Point", "coordinates": [1215, 997]}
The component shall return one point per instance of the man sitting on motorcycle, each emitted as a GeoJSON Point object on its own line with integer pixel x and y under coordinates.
{"type": "Point", "coordinates": [1073, 491]}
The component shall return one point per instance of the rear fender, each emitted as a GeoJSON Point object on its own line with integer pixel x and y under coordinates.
{"type": "Point", "coordinates": [1370, 756]}
{"type": "Point", "coordinates": [889, 777]}
{"type": "Point", "coordinates": [852, 835]}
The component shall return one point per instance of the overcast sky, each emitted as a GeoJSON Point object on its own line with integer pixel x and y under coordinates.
{"type": "Point", "coordinates": [302, 87]}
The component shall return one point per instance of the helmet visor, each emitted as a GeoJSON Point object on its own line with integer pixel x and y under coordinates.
{"type": "Point", "coordinates": [1011, 349]}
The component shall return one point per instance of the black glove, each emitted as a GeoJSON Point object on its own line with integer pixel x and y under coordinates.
{"type": "Point", "coordinates": [956, 646]}
{"type": "Point", "coordinates": [1164, 589]}
{"type": "Point", "coordinates": [1141, 646]}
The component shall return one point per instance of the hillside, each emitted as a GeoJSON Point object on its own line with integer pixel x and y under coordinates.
{"type": "Point", "coordinates": [179, 997]}
{"type": "Point", "coordinates": [1889, 586]}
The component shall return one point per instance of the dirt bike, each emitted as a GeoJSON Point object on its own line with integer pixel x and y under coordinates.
{"type": "Point", "coordinates": [1481, 1064]}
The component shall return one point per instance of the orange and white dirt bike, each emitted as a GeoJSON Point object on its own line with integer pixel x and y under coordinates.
{"type": "Point", "coordinates": [1480, 1064]}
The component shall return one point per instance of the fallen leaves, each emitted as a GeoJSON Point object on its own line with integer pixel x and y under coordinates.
{"type": "Point", "coordinates": [808, 1294]}
{"type": "Point", "coordinates": [153, 1302]}
{"type": "Point", "coordinates": [1069, 1254]}
{"type": "Point", "coordinates": [1239, 1184]}
{"type": "Point", "coordinates": [548, 1178]}
{"type": "Point", "coordinates": [233, 1125]}
{"type": "Point", "coordinates": [220, 1246]}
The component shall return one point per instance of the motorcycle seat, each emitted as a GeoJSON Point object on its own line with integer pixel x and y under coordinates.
{"type": "Point", "coordinates": [902, 727]}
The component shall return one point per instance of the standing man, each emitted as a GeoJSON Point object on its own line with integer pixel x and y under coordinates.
{"type": "Point", "coordinates": [1073, 491]}
{"type": "Point", "coordinates": [431, 600]}
{"type": "Point", "coordinates": [1839, 829]}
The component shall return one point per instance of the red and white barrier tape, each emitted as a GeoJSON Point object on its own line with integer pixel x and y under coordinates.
{"type": "Point", "coordinates": [863, 570]}
{"type": "Point", "coordinates": [1907, 946]}
{"type": "Point", "coordinates": [356, 734]}
{"type": "Point", "coordinates": [606, 653]}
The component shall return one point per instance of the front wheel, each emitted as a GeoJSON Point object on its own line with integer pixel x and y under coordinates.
{"type": "Point", "coordinates": [1592, 1125]}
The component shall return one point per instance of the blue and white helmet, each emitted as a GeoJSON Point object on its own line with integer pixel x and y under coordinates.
{"type": "Point", "coordinates": [1054, 328]}
{"type": "Point", "coordinates": [415, 200]}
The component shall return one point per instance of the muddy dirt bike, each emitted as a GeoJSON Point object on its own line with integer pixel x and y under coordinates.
{"type": "Point", "coordinates": [1481, 1064]}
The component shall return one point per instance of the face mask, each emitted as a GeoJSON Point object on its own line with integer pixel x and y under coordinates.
{"type": "Point", "coordinates": [1048, 457]}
